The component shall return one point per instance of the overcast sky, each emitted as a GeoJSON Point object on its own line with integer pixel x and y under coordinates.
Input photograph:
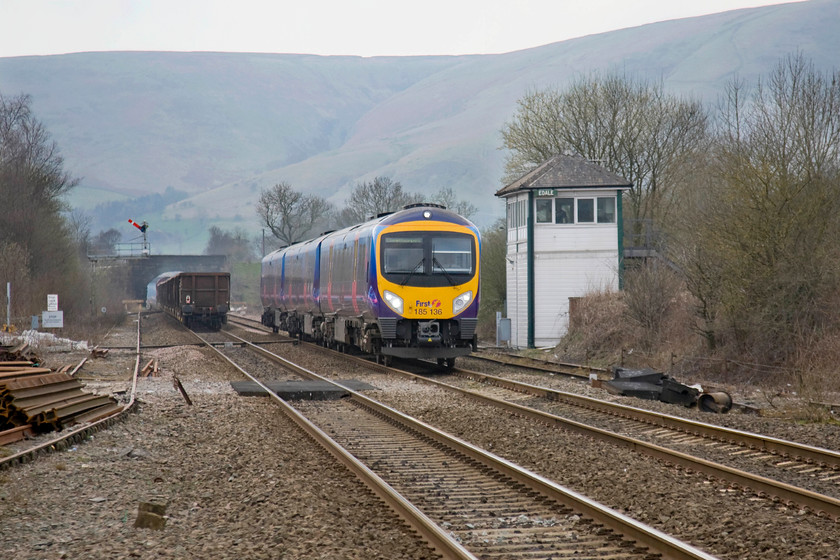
{"type": "Point", "coordinates": [325, 27]}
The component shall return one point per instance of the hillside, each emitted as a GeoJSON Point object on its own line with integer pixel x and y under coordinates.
{"type": "Point", "coordinates": [215, 128]}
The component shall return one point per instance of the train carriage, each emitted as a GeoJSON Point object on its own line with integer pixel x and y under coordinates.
{"type": "Point", "coordinates": [151, 289]}
{"type": "Point", "coordinates": [405, 284]}
{"type": "Point", "coordinates": [196, 297]}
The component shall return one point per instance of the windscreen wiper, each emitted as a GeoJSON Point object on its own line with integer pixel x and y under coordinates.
{"type": "Point", "coordinates": [413, 270]}
{"type": "Point", "coordinates": [448, 277]}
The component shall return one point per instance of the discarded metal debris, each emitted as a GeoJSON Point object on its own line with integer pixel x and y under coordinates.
{"type": "Point", "coordinates": [715, 402]}
{"type": "Point", "coordinates": [44, 400]}
{"type": "Point", "coordinates": [18, 352]}
{"type": "Point", "coordinates": [177, 383]}
{"type": "Point", "coordinates": [653, 385]}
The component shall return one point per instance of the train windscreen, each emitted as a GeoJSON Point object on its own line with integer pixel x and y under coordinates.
{"type": "Point", "coordinates": [428, 259]}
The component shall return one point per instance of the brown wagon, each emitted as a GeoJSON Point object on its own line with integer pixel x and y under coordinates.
{"type": "Point", "coordinates": [196, 297]}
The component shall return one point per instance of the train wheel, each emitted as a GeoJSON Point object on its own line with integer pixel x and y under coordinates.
{"type": "Point", "coordinates": [450, 363]}
{"type": "Point", "coordinates": [387, 360]}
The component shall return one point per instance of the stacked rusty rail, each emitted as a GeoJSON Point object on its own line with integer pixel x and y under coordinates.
{"type": "Point", "coordinates": [81, 432]}
{"type": "Point", "coordinates": [17, 353]}
{"type": "Point", "coordinates": [45, 400]}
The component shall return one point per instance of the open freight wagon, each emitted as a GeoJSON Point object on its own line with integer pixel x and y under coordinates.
{"type": "Point", "coordinates": [196, 297]}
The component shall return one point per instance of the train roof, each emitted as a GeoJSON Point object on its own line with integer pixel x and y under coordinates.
{"type": "Point", "coordinates": [422, 212]}
{"type": "Point", "coordinates": [164, 276]}
{"type": "Point", "coordinates": [411, 213]}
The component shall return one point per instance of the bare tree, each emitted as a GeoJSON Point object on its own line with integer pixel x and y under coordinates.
{"type": "Point", "coordinates": [33, 184]}
{"type": "Point", "coordinates": [236, 245]}
{"type": "Point", "coordinates": [79, 225]}
{"type": "Point", "coordinates": [632, 127]}
{"type": "Point", "coordinates": [446, 197]}
{"type": "Point", "coordinates": [758, 244]}
{"type": "Point", "coordinates": [32, 178]}
{"type": "Point", "coordinates": [779, 157]}
{"type": "Point", "coordinates": [369, 199]}
{"type": "Point", "coordinates": [649, 293]}
{"type": "Point", "coordinates": [105, 242]}
{"type": "Point", "coordinates": [291, 215]}
{"type": "Point", "coordinates": [14, 269]}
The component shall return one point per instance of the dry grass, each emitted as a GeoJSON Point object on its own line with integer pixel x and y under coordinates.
{"type": "Point", "coordinates": [605, 334]}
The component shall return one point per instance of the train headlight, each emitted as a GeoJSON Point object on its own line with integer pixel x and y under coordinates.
{"type": "Point", "coordinates": [394, 301]}
{"type": "Point", "coordinates": [460, 302]}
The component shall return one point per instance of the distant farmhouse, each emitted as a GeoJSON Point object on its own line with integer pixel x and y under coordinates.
{"type": "Point", "coordinates": [564, 239]}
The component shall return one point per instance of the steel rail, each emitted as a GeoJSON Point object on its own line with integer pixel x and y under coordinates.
{"type": "Point", "coordinates": [669, 547]}
{"type": "Point", "coordinates": [78, 435]}
{"type": "Point", "coordinates": [817, 503]}
{"type": "Point", "coordinates": [572, 370]}
{"type": "Point", "coordinates": [807, 453]}
{"type": "Point", "coordinates": [438, 539]}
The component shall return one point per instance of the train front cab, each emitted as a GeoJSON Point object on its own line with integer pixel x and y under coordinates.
{"type": "Point", "coordinates": [428, 278]}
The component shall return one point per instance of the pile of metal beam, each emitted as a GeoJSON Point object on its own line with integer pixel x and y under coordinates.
{"type": "Point", "coordinates": [46, 400]}
{"type": "Point", "coordinates": [18, 352]}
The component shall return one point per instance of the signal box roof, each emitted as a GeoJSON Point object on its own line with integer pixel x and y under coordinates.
{"type": "Point", "coordinates": [566, 172]}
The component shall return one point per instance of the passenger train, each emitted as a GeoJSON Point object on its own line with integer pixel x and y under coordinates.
{"type": "Point", "coordinates": [404, 284]}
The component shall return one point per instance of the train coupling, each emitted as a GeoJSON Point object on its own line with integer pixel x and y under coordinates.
{"type": "Point", "coordinates": [428, 333]}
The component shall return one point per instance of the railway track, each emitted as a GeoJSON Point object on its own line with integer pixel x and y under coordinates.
{"type": "Point", "coordinates": [784, 471]}
{"type": "Point", "coordinates": [804, 464]}
{"type": "Point", "coordinates": [465, 501]}
{"type": "Point", "coordinates": [576, 371]}
{"type": "Point", "coordinates": [738, 545]}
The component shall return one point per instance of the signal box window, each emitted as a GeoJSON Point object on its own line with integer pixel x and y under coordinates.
{"type": "Point", "coordinates": [564, 210]}
{"type": "Point", "coordinates": [606, 210]}
{"type": "Point", "coordinates": [544, 210]}
{"type": "Point", "coordinates": [585, 210]}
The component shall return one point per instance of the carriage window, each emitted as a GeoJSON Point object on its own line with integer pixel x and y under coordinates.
{"type": "Point", "coordinates": [585, 210]}
{"type": "Point", "coordinates": [606, 210]}
{"type": "Point", "coordinates": [402, 255]}
{"type": "Point", "coordinates": [564, 211]}
{"type": "Point", "coordinates": [543, 210]}
{"type": "Point", "coordinates": [452, 255]}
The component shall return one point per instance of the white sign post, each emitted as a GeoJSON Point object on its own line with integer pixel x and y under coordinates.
{"type": "Point", "coordinates": [52, 302]}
